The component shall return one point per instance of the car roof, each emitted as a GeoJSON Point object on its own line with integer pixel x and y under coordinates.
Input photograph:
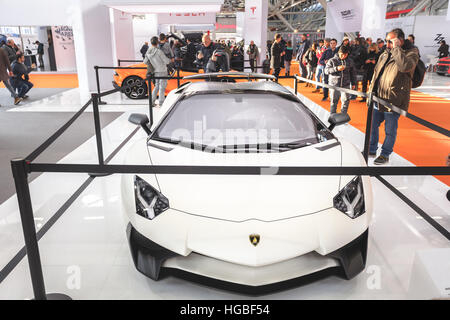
{"type": "Point", "coordinates": [237, 86]}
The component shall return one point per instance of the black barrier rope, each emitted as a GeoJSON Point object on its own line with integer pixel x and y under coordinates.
{"type": "Point", "coordinates": [422, 213]}
{"type": "Point", "coordinates": [396, 109]}
{"type": "Point", "coordinates": [33, 155]}
{"type": "Point", "coordinates": [21, 168]}
{"type": "Point", "coordinates": [239, 170]}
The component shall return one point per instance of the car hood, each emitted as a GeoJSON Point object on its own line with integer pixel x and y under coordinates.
{"type": "Point", "coordinates": [265, 197]}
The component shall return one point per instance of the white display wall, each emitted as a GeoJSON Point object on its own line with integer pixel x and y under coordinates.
{"type": "Point", "coordinates": [144, 27]}
{"type": "Point", "coordinates": [429, 31]}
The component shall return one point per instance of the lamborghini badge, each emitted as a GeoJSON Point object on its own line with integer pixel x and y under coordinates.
{"type": "Point", "coordinates": [254, 239]}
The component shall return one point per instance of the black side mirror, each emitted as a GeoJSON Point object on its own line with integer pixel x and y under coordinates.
{"type": "Point", "coordinates": [336, 119]}
{"type": "Point", "coordinates": [141, 120]}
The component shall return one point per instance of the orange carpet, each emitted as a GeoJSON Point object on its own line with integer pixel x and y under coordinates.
{"type": "Point", "coordinates": [53, 80]}
{"type": "Point", "coordinates": [415, 143]}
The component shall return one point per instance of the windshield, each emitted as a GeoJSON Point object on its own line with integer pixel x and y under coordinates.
{"type": "Point", "coordinates": [237, 119]}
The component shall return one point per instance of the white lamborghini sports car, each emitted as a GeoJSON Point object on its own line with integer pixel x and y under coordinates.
{"type": "Point", "coordinates": [246, 230]}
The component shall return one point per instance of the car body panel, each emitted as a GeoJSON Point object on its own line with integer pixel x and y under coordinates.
{"type": "Point", "coordinates": [211, 217]}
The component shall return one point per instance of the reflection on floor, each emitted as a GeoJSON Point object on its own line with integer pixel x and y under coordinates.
{"type": "Point", "coordinates": [85, 254]}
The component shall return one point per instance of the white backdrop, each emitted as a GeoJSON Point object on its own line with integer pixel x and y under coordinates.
{"type": "Point", "coordinates": [405, 23]}
{"type": "Point", "coordinates": [429, 31]}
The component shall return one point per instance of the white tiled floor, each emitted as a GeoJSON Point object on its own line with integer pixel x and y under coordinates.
{"type": "Point", "coordinates": [90, 236]}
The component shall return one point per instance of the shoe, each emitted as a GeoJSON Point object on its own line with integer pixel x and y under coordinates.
{"type": "Point", "coordinates": [324, 98]}
{"type": "Point", "coordinates": [317, 90]}
{"type": "Point", "coordinates": [17, 100]}
{"type": "Point", "coordinates": [381, 160]}
{"type": "Point", "coordinates": [372, 154]}
{"type": "Point", "coordinates": [25, 97]}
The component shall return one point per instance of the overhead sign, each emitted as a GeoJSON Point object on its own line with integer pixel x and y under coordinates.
{"type": "Point", "coordinates": [347, 14]}
{"type": "Point", "coordinates": [187, 18]}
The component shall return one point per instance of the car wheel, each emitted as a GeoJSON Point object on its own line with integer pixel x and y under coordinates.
{"type": "Point", "coordinates": [138, 87]}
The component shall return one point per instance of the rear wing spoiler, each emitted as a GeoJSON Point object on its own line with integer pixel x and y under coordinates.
{"type": "Point", "coordinates": [239, 75]}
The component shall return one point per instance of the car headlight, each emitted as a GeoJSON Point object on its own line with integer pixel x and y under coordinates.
{"type": "Point", "coordinates": [350, 200]}
{"type": "Point", "coordinates": [149, 202]}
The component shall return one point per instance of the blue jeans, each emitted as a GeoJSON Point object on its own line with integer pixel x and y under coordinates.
{"type": "Point", "coordinates": [319, 72]}
{"type": "Point", "coordinates": [23, 87]}
{"type": "Point", "coordinates": [325, 80]}
{"type": "Point", "coordinates": [390, 128]}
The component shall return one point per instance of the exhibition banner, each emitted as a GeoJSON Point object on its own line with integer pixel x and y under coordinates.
{"type": "Point", "coordinates": [347, 14]}
{"type": "Point", "coordinates": [374, 18]}
{"type": "Point", "coordinates": [64, 48]}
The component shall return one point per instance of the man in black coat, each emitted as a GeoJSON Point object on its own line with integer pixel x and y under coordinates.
{"type": "Point", "coordinates": [20, 79]}
{"type": "Point", "coordinates": [144, 49]}
{"type": "Point", "coordinates": [206, 51]}
{"type": "Point", "coordinates": [40, 52]}
{"type": "Point", "coordinates": [276, 53]}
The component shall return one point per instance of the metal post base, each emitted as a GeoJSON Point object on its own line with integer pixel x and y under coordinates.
{"type": "Point", "coordinates": [96, 175]}
{"type": "Point", "coordinates": [57, 297]}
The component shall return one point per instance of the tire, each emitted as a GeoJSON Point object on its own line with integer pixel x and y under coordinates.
{"type": "Point", "coordinates": [138, 89]}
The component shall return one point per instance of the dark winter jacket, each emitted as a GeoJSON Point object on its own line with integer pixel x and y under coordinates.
{"type": "Point", "coordinates": [288, 52]}
{"type": "Point", "coordinates": [443, 50]}
{"type": "Point", "coordinates": [369, 67]}
{"type": "Point", "coordinates": [327, 55]}
{"type": "Point", "coordinates": [207, 54]}
{"type": "Point", "coordinates": [340, 78]}
{"type": "Point", "coordinates": [358, 55]}
{"type": "Point", "coordinates": [144, 50]}
{"type": "Point", "coordinates": [311, 58]}
{"type": "Point", "coordinates": [5, 65]}
{"type": "Point", "coordinates": [304, 46]}
{"type": "Point", "coordinates": [40, 48]}
{"type": "Point", "coordinates": [10, 52]}
{"type": "Point", "coordinates": [275, 60]}
{"type": "Point", "coordinates": [20, 72]}
{"type": "Point", "coordinates": [394, 84]}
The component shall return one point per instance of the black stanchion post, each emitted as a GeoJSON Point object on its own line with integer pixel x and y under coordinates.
{"type": "Point", "coordinates": [295, 86]}
{"type": "Point", "coordinates": [178, 77]}
{"type": "Point", "coordinates": [368, 126]}
{"type": "Point", "coordinates": [20, 174]}
{"type": "Point", "coordinates": [98, 129]}
{"type": "Point", "coordinates": [118, 62]}
{"type": "Point", "coordinates": [98, 85]}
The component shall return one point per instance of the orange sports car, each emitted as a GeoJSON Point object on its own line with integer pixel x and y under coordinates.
{"type": "Point", "coordinates": [137, 79]}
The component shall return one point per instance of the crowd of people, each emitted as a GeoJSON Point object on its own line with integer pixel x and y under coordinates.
{"type": "Point", "coordinates": [386, 68]}
{"type": "Point", "coordinates": [13, 72]}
